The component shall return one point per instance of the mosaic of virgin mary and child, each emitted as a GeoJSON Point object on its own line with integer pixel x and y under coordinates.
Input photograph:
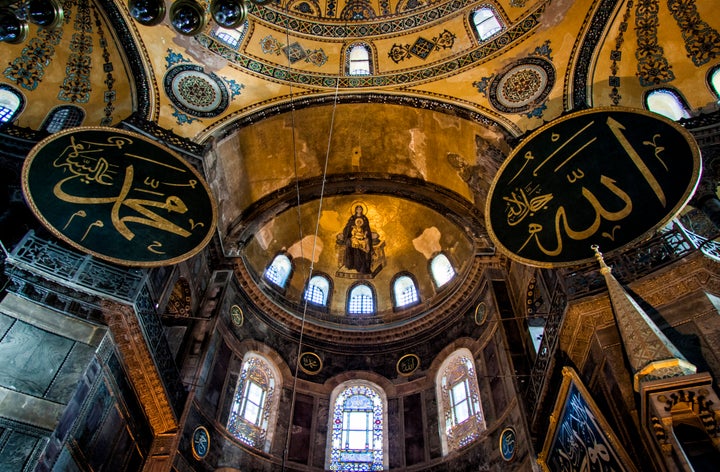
{"type": "Point", "coordinates": [359, 245]}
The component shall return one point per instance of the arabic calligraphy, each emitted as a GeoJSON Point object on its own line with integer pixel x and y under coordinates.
{"type": "Point", "coordinates": [200, 442]}
{"type": "Point", "coordinates": [119, 196]}
{"type": "Point", "coordinates": [580, 443]}
{"type": "Point", "coordinates": [605, 176]}
{"type": "Point", "coordinates": [507, 443]}
{"type": "Point", "coordinates": [408, 364]}
{"type": "Point", "coordinates": [310, 363]}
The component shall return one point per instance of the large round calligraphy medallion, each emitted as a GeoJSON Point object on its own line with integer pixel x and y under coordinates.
{"type": "Point", "coordinates": [119, 196]}
{"type": "Point", "coordinates": [607, 176]}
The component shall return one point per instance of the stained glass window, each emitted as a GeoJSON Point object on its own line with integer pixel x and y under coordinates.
{"type": "Point", "coordinates": [486, 23]}
{"type": "Point", "coordinates": [459, 401]}
{"type": "Point", "coordinates": [254, 403]}
{"type": "Point", "coordinates": [279, 271]}
{"type": "Point", "coordinates": [63, 117]}
{"type": "Point", "coordinates": [441, 269]}
{"type": "Point", "coordinates": [358, 60]}
{"type": "Point", "coordinates": [361, 300]}
{"type": "Point", "coordinates": [317, 290]}
{"type": "Point", "coordinates": [666, 102]}
{"type": "Point", "coordinates": [358, 429]}
{"type": "Point", "coordinates": [405, 291]}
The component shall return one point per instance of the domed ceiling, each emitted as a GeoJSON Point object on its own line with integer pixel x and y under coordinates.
{"type": "Point", "coordinates": [405, 237]}
{"type": "Point", "coordinates": [295, 142]}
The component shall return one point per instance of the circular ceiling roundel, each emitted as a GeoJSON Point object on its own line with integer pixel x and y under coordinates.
{"type": "Point", "coordinates": [523, 86]}
{"type": "Point", "coordinates": [196, 92]}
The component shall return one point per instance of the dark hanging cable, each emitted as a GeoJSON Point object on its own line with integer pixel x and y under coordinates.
{"type": "Point", "coordinates": [300, 231]}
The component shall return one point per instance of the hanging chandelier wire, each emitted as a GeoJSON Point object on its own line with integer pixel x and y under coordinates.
{"type": "Point", "coordinates": [300, 231]}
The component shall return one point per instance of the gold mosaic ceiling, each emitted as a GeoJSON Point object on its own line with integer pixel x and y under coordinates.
{"type": "Point", "coordinates": [279, 104]}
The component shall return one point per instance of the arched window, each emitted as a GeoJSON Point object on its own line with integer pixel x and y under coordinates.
{"type": "Point", "coordinates": [405, 291]}
{"type": "Point", "coordinates": [459, 408]}
{"type": "Point", "coordinates": [254, 407]}
{"type": "Point", "coordinates": [63, 117]}
{"type": "Point", "coordinates": [486, 23]}
{"type": "Point", "coordinates": [231, 37]}
{"type": "Point", "coordinates": [279, 271]}
{"type": "Point", "coordinates": [361, 300]}
{"type": "Point", "coordinates": [441, 270]}
{"type": "Point", "coordinates": [358, 59]}
{"type": "Point", "coordinates": [358, 425]}
{"type": "Point", "coordinates": [714, 81]}
{"type": "Point", "coordinates": [668, 103]}
{"type": "Point", "coordinates": [317, 290]}
{"type": "Point", "coordinates": [11, 104]}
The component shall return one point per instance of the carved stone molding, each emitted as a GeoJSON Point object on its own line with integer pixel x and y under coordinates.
{"type": "Point", "coordinates": [143, 373]}
{"type": "Point", "coordinates": [688, 399]}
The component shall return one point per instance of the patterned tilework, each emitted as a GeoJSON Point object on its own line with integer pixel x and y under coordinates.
{"type": "Point", "coordinates": [701, 41]}
{"type": "Point", "coordinates": [653, 67]}
{"type": "Point", "coordinates": [28, 70]}
{"type": "Point", "coordinates": [468, 59]}
{"type": "Point", "coordinates": [582, 55]}
{"type": "Point", "coordinates": [358, 10]}
{"type": "Point", "coordinates": [422, 47]}
{"type": "Point", "coordinates": [294, 52]}
{"type": "Point", "coordinates": [616, 56]}
{"type": "Point", "coordinates": [523, 87]}
{"type": "Point", "coordinates": [339, 30]}
{"type": "Point", "coordinates": [110, 95]}
{"type": "Point", "coordinates": [76, 86]}
{"type": "Point", "coordinates": [195, 93]}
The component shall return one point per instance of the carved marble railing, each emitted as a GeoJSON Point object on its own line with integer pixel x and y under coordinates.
{"type": "Point", "coordinates": [642, 259]}
{"type": "Point", "coordinates": [62, 279]}
{"type": "Point", "coordinates": [664, 248]}
{"type": "Point", "coordinates": [75, 270]}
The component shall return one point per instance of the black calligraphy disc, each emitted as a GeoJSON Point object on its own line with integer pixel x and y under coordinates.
{"type": "Point", "coordinates": [119, 196]}
{"type": "Point", "coordinates": [606, 177]}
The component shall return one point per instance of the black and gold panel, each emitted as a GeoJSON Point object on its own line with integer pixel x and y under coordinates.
{"type": "Point", "coordinates": [603, 177]}
{"type": "Point", "coordinates": [580, 437]}
{"type": "Point", "coordinates": [119, 196]}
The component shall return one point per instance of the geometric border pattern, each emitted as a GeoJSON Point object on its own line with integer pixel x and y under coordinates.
{"type": "Point", "coordinates": [336, 29]}
{"type": "Point", "coordinates": [534, 93]}
{"type": "Point", "coordinates": [468, 59]}
{"type": "Point", "coordinates": [220, 99]}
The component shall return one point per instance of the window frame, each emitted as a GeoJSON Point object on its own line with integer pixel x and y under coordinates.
{"type": "Point", "coordinates": [286, 281]}
{"type": "Point", "coordinates": [51, 116]}
{"type": "Point", "coordinates": [431, 264]}
{"type": "Point", "coordinates": [714, 73]}
{"type": "Point", "coordinates": [456, 433]}
{"type": "Point", "coordinates": [349, 299]}
{"type": "Point", "coordinates": [337, 432]}
{"type": "Point", "coordinates": [494, 16]}
{"type": "Point", "coordinates": [218, 33]}
{"type": "Point", "coordinates": [258, 433]}
{"type": "Point", "coordinates": [14, 113]}
{"type": "Point", "coordinates": [348, 59]}
{"type": "Point", "coordinates": [398, 277]}
{"type": "Point", "coordinates": [328, 295]}
{"type": "Point", "coordinates": [679, 101]}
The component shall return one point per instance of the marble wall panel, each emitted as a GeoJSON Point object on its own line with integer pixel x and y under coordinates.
{"type": "Point", "coordinates": [17, 449]}
{"type": "Point", "coordinates": [71, 371]}
{"type": "Point", "coordinates": [31, 358]}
